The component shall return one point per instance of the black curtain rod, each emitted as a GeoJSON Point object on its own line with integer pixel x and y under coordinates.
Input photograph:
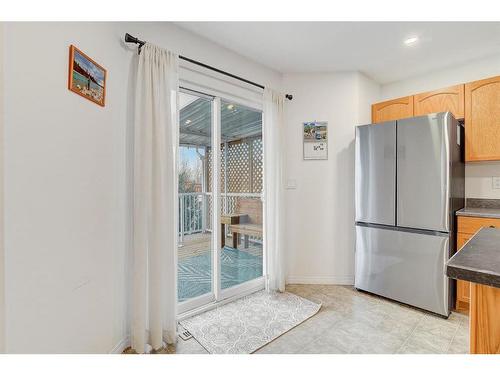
{"type": "Point", "coordinates": [132, 39]}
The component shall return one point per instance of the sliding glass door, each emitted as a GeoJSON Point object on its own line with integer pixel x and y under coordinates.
{"type": "Point", "coordinates": [241, 176]}
{"type": "Point", "coordinates": [220, 252]}
{"type": "Point", "coordinates": [195, 250]}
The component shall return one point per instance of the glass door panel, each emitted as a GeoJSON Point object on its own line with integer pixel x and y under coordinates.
{"type": "Point", "coordinates": [220, 251]}
{"type": "Point", "coordinates": [241, 178]}
{"type": "Point", "coordinates": [195, 255]}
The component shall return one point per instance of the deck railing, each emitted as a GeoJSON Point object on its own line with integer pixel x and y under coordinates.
{"type": "Point", "coordinates": [195, 210]}
{"type": "Point", "coordinates": [191, 215]}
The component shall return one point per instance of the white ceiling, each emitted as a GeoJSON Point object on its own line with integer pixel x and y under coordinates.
{"type": "Point", "coordinates": [374, 48]}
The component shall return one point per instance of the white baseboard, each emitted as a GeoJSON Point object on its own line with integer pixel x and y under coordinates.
{"type": "Point", "coordinates": [329, 280]}
{"type": "Point", "coordinates": [121, 346]}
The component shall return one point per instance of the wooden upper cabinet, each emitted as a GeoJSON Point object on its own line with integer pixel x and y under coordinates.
{"type": "Point", "coordinates": [392, 109]}
{"type": "Point", "coordinates": [450, 99]}
{"type": "Point", "coordinates": [482, 120]}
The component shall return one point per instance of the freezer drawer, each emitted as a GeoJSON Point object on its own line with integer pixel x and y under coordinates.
{"type": "Point", "coordinates": [375, 173]}
{"type": "Point", "coordinates": [423, 171]}
{"type": "Point", "coordinates": [404, 266]}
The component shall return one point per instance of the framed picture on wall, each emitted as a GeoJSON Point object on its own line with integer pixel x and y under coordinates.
{"type": "Point", "coordinates": [86, 77]}
{"type": "Point", "coordinates": [315, 140]}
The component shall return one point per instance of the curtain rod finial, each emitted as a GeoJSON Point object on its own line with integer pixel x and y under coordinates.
{"type": "Point", "coordinates": [132, 39]}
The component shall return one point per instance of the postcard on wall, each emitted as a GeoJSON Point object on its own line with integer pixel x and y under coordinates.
{"type": "Point", "coordinates": [86, 77]}
{"type": "Point", "coordinates": [315, 139]}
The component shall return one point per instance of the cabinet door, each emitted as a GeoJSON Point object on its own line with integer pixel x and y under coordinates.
{"type": "Point", "coordinates": [482, 120]}
{"type": "Point", "coordinates": [484, 322]}
{"type": "Point", "coordinates": [392, 109]}
{"type": "Point", "coordinates": [463, 287]}
{"type": "Point", "coordinates": [450, 99]}
{"type": "Point", "coordinates": [470, 225]}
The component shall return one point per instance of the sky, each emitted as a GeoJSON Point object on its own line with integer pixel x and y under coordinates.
{"type": "Point", "coordinates": [88, 66]}
{"type": "Point", "coordinates": [189, 154]}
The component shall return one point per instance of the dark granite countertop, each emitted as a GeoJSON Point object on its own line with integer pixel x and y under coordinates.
{"type": "Point", "coordinates": [480, 212]}
{"type": "Point", "coordinates": [481, 208]}
{"type": "Point", "coordinates": [479, 259]}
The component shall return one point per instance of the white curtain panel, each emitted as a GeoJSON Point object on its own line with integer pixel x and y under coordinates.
{"type": "Point", "coordinates": [155, 207]}
{"type": "Point", "coordinates": [274, 149]}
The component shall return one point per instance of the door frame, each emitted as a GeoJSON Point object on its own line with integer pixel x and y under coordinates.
{"type": "Point", "coordinates": [2, 210]}
{"type": "Point", "coordinates": [216, 198]}
{"type": "Point", "coordinates": [219, 296]}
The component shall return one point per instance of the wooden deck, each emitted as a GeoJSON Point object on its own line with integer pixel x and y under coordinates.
{"type": "Point", "coordinates": [199, 243]}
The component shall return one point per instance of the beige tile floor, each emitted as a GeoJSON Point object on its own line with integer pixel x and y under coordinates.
{"type": "Point", "coordinates": [354, 322]}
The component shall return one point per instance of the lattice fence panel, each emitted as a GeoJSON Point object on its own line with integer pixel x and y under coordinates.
{"type": "Point", "coordinates": [222, 168]}
{"type": "Point", "coordinates": [209, 209]}
{"type": "Point", "coordinates": [244, 172]}
{"type": "Point", "coordinates": [244, 167]}
{"type": "Point", "coordinates": [209, 168]}
{"type": "Point", "coordinates": [238, 168]}
{"type": "Point", "coordinates": [257, 165]}
{"type": "Point", "coordinates": [229, 204]}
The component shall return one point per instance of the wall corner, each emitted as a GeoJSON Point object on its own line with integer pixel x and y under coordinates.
{"type": "Point", "coordinates": [2, 253]}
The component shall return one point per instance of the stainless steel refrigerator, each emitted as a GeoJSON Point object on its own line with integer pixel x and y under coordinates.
{"type": "Point", "coordinates": [409, 182]}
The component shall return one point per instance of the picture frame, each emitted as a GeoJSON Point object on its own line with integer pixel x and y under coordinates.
{"type": "Point", "coordinates": [86, 77]}
{"type": "Point", "coordinates": [315, 140]}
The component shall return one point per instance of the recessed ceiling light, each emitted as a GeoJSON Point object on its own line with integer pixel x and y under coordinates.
{"type": "Point", "coordinates": [411, 40]}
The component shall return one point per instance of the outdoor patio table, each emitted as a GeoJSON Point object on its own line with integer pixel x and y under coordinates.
{"type": "Point", "coordinates": [229, 219]}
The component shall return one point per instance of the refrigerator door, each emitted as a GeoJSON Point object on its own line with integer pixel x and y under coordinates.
{"type": "Point", "coordinates": [423, 177]}
{"type": "Point", "coordinates": [403, 266]}
{"type": "Point", "coordinates": [375, 173]}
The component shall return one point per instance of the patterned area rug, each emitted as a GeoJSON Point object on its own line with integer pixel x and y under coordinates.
{"type": "Point", "coordinates": [195, 273]}
{"type": "Point", "coordinates": [245, 325]}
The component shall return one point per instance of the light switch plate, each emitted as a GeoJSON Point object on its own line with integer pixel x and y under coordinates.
{"type": "Point", "coordinates": [496, 182]}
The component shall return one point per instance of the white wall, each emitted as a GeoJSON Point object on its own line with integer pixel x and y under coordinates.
{"type": "Point", "coordinates": [368, 93]}
{"type": "Point", "coordinates": [66, 213]}
{"type": "Point", "coordinates": [453, 75]}
{"type": "Point", "coordinates": [479, 182]}
{"type": "Point", "coordinates": [2, 270]}
{"type": "Point", "coordinates": [320, 211]}
{"type": "Point", "coordinates": [478, 175]}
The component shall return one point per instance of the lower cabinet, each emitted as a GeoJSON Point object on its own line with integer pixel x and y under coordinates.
{"type": "Point", "coordinates": [484, 321]}
{"type": "Point", "coordinates": [463, 287]}
{"type": "Point", "coordinates": [467, 227]}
